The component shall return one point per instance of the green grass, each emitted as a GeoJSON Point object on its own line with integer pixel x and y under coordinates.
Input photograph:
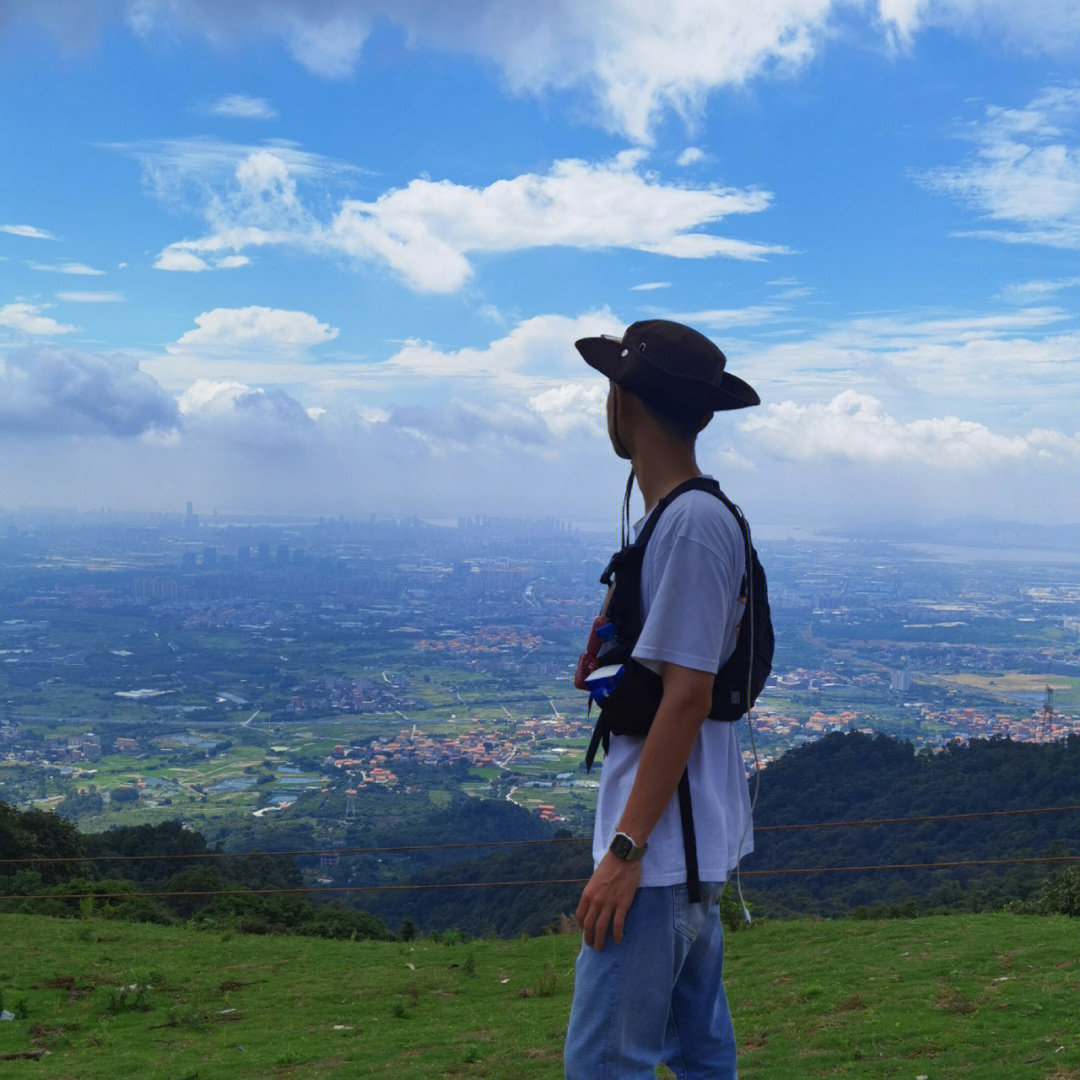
{"type": "Point", "coordinates": [980, 997]}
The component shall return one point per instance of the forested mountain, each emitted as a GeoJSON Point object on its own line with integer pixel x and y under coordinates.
{"type": "Point", "coordinates": [857, 777]}
{"type": "Point", "coordinates": [841, 778]}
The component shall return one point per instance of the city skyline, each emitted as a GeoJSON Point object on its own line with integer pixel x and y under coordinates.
{"type": "Point", "coordinates": [331, 259]}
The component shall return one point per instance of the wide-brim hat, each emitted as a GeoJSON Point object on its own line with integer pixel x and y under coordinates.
{"type": "Point", "coordinates": [670, 367]}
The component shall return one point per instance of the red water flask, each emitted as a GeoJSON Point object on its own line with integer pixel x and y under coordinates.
{"type": "Point", "coordinates": [587, 661]}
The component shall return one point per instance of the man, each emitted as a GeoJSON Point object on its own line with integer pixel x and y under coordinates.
{"type": "Point", "coordinates": [648, 986]}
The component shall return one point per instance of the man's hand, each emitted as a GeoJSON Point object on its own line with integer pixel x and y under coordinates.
{"type": "Point", "coordinates": [606, 900]}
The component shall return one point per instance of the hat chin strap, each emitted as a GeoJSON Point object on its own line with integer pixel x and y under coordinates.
{"type": "Point", "coordinates": [624, 523]}
{"type": "Point", "coordinates": [620, 449]}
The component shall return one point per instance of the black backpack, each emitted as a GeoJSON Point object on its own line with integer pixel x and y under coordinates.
{"type": "Point", "coordinates": [630, 707]}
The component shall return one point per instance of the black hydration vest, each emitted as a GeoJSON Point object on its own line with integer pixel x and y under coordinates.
{"type": "Point", "coordinates": [630, 707]}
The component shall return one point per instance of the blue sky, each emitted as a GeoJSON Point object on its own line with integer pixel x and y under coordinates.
{"type": "Point", "coordinates": [331, 257]}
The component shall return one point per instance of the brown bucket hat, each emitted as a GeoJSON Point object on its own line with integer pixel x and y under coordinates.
{"type": "Point", "coordinates": [670, 367]}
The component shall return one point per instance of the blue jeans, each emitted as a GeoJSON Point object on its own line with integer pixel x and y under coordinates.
{"type": "Point", "coordinates": [657, 997]}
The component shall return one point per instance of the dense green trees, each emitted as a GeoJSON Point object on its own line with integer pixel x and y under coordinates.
{"type": "Point", "coordinates": [842, 778]}
{"type": "Point", "coordinates": [110, 872]}
{"type": "Point", "coordinates": [857, 777]}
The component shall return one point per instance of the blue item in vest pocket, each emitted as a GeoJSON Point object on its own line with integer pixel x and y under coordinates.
{"type": "Point", "coordinates": [603, 681]}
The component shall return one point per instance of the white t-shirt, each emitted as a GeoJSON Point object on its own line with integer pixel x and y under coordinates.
{"type": "Point", "coordinates": [690, 577]}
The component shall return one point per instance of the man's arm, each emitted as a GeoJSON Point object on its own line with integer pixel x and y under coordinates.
{"type": "Point", "coordinates": [683, 708]}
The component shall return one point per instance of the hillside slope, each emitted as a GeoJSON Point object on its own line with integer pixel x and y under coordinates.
{"type": "Point", "coordinates": [980, 997]}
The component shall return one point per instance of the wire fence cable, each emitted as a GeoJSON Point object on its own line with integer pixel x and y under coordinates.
{"type": "Point", "coordinates": [472, 844]}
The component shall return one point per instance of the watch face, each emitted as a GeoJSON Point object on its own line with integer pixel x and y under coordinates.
{"type": "Point", "coordinates": [621, 846]}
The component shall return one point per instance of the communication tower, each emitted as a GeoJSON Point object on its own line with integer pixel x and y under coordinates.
{"type": "Point", "coordinates": [1047, 725]}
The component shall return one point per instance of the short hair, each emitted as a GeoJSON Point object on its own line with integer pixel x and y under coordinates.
{"type": "Point", "coordinates": [683, 423]}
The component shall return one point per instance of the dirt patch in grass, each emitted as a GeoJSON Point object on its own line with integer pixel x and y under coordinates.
{"type": "Point", "coordinates": [851, 1004]}
{"type": "Point", "coordinates": [951, 1000]}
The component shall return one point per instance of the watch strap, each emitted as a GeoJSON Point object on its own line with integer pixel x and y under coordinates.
{"type": "Point", "coordinates": [623, 846]}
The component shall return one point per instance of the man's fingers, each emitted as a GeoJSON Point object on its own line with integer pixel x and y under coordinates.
{"type": "Point", "coordinates": [582, 912]}
{"type": "Point", "coordinates": [600, 929]}
{"type": "Point", "coordinates": [618, 925]}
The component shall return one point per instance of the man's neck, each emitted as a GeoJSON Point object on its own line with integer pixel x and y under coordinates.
{"type": "Point", "coordinates": [661, 468]}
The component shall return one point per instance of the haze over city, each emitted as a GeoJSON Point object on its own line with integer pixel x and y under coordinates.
{"type": "Point", "coordinates": [331, 258]}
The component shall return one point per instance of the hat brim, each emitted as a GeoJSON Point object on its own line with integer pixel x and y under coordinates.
{"type": "Point", "coordinates": [605, 354]}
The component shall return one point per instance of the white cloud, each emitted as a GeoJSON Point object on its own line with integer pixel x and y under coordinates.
{"type": "Point", "coordinates": [171, 259]}
{"type": "Point", "coordinates": [458, 424]}
{"type": "Point", "coordinates": [28, 231]}
{"type": "Point", "coordinates": [243, 107]}
{"type": "Point", "coordinates": [51, 392]}
{"type": "Point", "coordinates": [227, 329]}
{"type": "Point", "coordinates": [78, 269]}
{"type": "Point", "coordinates": [1025, 171]}
{"type": "Point", "coordinates": [572, 407]}
{"type": "Point", "coordinates": [1012, 370]}
{"type": "Point", "coordinates": [1045, 26]}
{"type": "Point", "coordinates": [91, 297]}
{"type": "Point", "coordinates": [537, 348]}
{"type": "Point", "coordinates": [1026, 290]}
{"type": "Point", "coordinates": [426, 231]}
{"type": "Point", "coordinates": [649, 286]}
{"type": "Point", "coordinates": [636, 60]}
{"type": "Point", "coordinates": [27, 318]}
{"type": "Point", "coordinates": [692, 155]}
{"type": "Point", "coordinates": [725, 318]}
{"type": "Point", "coordinates": [242, 415]}
{"type": "Point", "coordinates": [855, 427]}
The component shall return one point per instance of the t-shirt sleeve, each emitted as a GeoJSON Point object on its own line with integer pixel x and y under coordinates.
{"type": "Point", "coordinates": [693, 613]}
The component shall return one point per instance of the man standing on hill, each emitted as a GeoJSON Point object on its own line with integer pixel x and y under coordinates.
{"type": "Point", "coordinates": [648, 986]}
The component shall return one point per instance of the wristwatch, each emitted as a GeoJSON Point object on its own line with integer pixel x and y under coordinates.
{"type": "Point", "coordinates": [623, 847]}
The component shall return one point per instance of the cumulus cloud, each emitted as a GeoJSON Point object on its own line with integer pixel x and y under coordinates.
{"type": "Point", "coordinates": [857, 428]}
{"type": "Point", "coordinates": [243, 107]}
{"type": "Point", "coordinates": [1025, 172]}
{"type": "Point", "coordinates": [182, 261]}
{"type": "Point", "coordinates": [540, 348]}
{"type": "Point", "coordinates": [427, 230]}
{"type": "Point", "coordinates": [251, 345]}
{"type": "Point", "coordinates": [48, 391]}
{"type": "Point", "coordinates": [224, 329]}
{"type": "Point", "coordinates": [692, 155]}
{"type": "Point", "coordinates": [243, 415]}
{"type": "Point", "coordinates": [29, 231]}
{"type": "Point", "coordinates": [572, 407]}
{"type": "Point", "coordinates": [27, 319]}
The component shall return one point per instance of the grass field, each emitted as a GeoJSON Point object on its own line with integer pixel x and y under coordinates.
{"type": "Point", "coordinates": [1006, 686]}
{"type": "Point", "coordinates": [975, 997]}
